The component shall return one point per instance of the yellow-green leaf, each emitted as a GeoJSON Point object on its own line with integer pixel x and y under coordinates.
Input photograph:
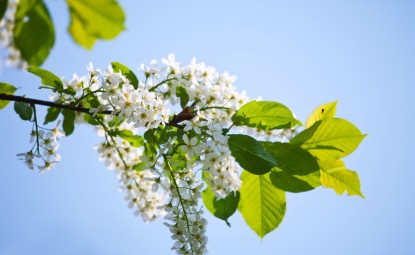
{"type": "Point", "coordinates": [329, 139]}
{"type": "Point", "coordinates": [335, 175]}
{"type": "Point", "coordinates": [262, 205]}
{"type": "Point", "coordinates": [8, 89]}
{"type": "Point", "coordinates": [322, 112]}
{"type": "Point", "coordinates": [95, 19]}
{"type": "Point", "coordinates": [265, 115]}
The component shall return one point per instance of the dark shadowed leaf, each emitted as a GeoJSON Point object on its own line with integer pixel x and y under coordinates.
{"type": "Point", "coordinates": [250, 154]}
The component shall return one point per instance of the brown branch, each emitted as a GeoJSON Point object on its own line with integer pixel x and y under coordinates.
{"type": "Point", "coordinates": [47, 103]}
{"type": "Point", "coordinates": [186, 114]}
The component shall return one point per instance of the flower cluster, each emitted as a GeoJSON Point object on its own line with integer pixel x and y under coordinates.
{"type": "Point", "coordinates": [13, 57]}
{"type": "Point", "coordinates": [139, 188]}
{"type": "Point", "coordinates": [45, 148]}
{"type": "Point", "coordinates": [185, 216]}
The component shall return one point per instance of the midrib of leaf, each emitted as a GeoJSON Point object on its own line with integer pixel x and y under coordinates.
{"type": "Point", "coordinates": [333, 139]}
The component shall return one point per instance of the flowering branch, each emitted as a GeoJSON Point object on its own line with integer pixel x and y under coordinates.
{"type": "Point", "coordinates": [185, 114]}
{"type": "Point", "coordinates": [47, 103]}
{"type": "Point", "coordinates": [166, 171]}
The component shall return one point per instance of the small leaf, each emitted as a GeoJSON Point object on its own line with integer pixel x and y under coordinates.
{"type": "Point", "coordinates": [91, 119]}
{"type": "Point", "coordinates": [294, 183]}
{"type": "Point", "coordinates": [335, 175]}
{"type": "Point", "coordinates": [52, 115]}
{"type": "Point", "coordinates": [95, 19]}
{"type": "Point", "coordinates": [262, 205]}
{"type": "Point", "coordinates": [7, 89]}
{"type": "Point", "coordinates": [250, 155]}
{"type": "Point", "coordinates": [140, 166]}
{"type": "Point", "coordinates": [33, 34]}
{"type": "Point", "coordinates": [24, 110]}
{"type": "Point", "coordinates": [3, 7]}
{"type": "Point", "coordinates": [329, 139]}
{"type": "Point", "coordinates": [292, 158]}
{"type": "Point", "coordinates": [68, 121]}
{"type": "Point", "coordinates": [182, 94]}
{"type": "Point", "coordinates": [322, 112]}
{"type": "Point", "coordinates": [118, 67]}
{"type": "Point", "coordinates": [134, 140]}
{"type": "Point", "coordinates": [220, 208]}
{"type": "Point", "coordinates": [265, 115]}
{"type": "Point", "coordinates": [48, 78]}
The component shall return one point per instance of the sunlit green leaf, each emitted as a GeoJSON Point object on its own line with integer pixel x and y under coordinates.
{"type": "Point", "coordinates": [24, 110]}
{"type": "Point", "coordinates": [335, 175]}
{"type": "Point", "coordinates": [118, 67]}
{"type": "Point", "coordinates": [250, 154]}
{"type": "Point", "coordinates": [220, 208]}
{"type": "Point", "coordinates": [34, 34]}
{"type": "Point", "coordinates": [262, 205]}
{"type": "Point", "coordinates": [182, 94]}
{"type": "Point", "coordinates": [95, 19]}
{"type": "Point", "coordinates": [322, 112]}
{"type": "Point", "coordinates": [8, 89]}
{"type": "Point", "coordinates": [48, 78]}
{"type": "Point", "coordinates": [292, 158]}
{"type": "Point", "coordinates": [68, 121]}
{"type": "Point", "coordinates": [134, 140]}
{"type": "Point", "coordinates": [140, 166]}
{"type": "Point", "coordinates": [329, 139]}
{"type": "Point", "coordinates": [294, 183]}
{"type": "Point", "coordinates": [52, 114]}
{"type": "Point", "coordinates": [265, 115]}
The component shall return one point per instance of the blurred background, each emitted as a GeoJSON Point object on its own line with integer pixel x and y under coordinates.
{"type": "Point", "coordinates": [299, 53]}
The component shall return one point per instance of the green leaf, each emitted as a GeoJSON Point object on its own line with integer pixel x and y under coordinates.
{"type": "Point", "coordinates": [52, 115]}
{"type": "Point", "coordinates": [220, 208]}
{"type": "Point", "coordinates": [335, 175]}
{"type": "Point", "coordinates": [3, 7]}
{"type": "Point", "coordinates": [322, 112]}
{"type": "Point", "coordinates": [118, 67]}
{"type": "Point", "coordinates": [292, 158]}
{"type": "Point", "coordinates": [294, 183]}
{"type": "Point", "coordinates": [329, 139]}
{"type": "Point", "coordinates": [92, 119]}
{"type": "Point", "coordinates": [182, 94]}
{"type": "Point", "coordinates": [24, 110]}
{"type": "Point", "coordinates": [250, 155]}
{"type": "Point", "coordinates": [262, 205]}
{"type": "Point", "coordinates": [134, 140]}
{"type": "Point", "coordinates": [8, 89]}
{"type": "Point", "coordinates": [265, 115]}
{"type": "Point", "coordinates": [140, 166]}
{"type": "Point", "coordinates": [34, 34]}
{"type": "Point", "coordinates": [48, 78]}
{"type": "Point", "coordinates": [68, 121]}
{"type": "Point", "coordinates": [95, 19]}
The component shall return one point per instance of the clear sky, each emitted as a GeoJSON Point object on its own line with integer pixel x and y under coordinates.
{"type": "Point", "coordinates": [300, 53]}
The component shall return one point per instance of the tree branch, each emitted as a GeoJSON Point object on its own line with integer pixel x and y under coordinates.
{"type": "Point", "coordinates": [186, 114]}
{"type": "Point", "coordinates": [47, 103]}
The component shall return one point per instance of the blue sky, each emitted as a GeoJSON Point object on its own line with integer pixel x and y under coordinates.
{"type": "Point", "coordinates": [300, 53]}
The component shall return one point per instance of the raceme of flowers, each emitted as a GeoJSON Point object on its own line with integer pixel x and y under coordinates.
{"type": "Point", "coordinates": [13, 56]}
{"type": "Point", "coordinates": [45, 148]}
{"type": "Point", "coordinates": [162, 177]}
